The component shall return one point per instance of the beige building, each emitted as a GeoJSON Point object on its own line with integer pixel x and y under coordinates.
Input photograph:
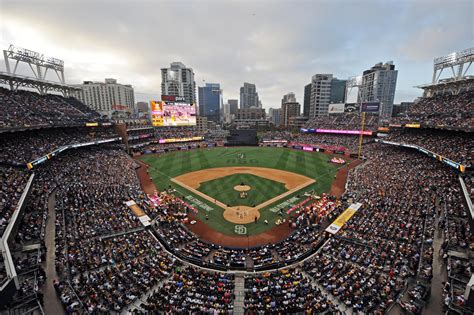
{"type": "Point", "coordinates": [106, 97]}
{"type": "Point", "coordinates": [251, 113]}
{"type": "Point", "coordinates": [288, 110]}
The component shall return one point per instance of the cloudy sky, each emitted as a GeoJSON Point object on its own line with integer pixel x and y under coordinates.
{"type": "Point", "coordinates": [278, 45]}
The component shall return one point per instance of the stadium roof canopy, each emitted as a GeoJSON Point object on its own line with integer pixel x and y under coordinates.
{"type": "Point", "coordinates": [459, 63]}
{"type": "Point", "coordinates": [448, 86]}
{"type": "Point", "coordinates": [14, 81]}
{"type": "Point", "coordinates": [40, 65]}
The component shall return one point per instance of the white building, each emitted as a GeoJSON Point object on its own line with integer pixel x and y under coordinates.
{"type": "Point", "coordinates": [274, 116]}
{"type": "Point", "coordinates": [288, 98]}
{"type": "Point", "coordinates": [106, 97]}
{"type": "Point", "coordinates": [179, 81]}
{"type": "Point", "coordinates": [320, 94]}
{"type": "Point", "coordinates": [378, 85]}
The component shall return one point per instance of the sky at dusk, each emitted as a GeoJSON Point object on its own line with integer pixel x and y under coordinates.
{"type": "Point", "coordinates": [278, 45]}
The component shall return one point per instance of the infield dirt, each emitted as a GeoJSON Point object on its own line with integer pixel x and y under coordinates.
{"type": "Point", "coordinates": [242, 214]}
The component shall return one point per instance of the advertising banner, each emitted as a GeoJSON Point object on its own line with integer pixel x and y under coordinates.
{"type": "Point", "coordinates": [337, 108]}
{"type": "Point", "coordinates": [412, 125]}
{"type": "Point", "coordinates": [370, 107]}
{"type": "Point", "coordinates": [343, 218]}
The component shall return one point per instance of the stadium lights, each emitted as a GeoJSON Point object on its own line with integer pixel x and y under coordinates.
{"type": "Point", "coordinates": [33, 57]}
{"type": "Point", "coordinates": [454, 58]}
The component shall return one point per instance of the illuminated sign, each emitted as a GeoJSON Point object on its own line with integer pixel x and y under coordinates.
{"type": "Point", "coordinates": [172, 114]}
{"type": "Point", "coordinates": [94, 124]}
{"type": "Point", "coordinates": [173, 140]}
{"type": "Point", "coordinates": [172, 98]}
{"type": "Point", "coordinates": [343, 218]}
{"type": "Point", "coordinates": [347, 132]}
{"type": "Point", "coordinates": [412, 125]}
{"type": "Point", "coordinates": [372, 107]}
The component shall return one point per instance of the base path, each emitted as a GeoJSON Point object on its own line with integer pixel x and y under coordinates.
{"type": "Point", "coordinates": [145, 180]}
{"type": "Point", "coordinates": [274, 235]}
{"type": "Point", "coordinates": [339, 183]}
{"type": "Point", "coordinates": [242, 214]}
{"type": "Point", "coordinates": [194, 179]}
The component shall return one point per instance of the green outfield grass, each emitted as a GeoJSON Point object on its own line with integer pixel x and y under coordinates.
{"type": "Point", "coordinates": [314, 165]}
{"type": "Point", "coordinates": [223, 190]}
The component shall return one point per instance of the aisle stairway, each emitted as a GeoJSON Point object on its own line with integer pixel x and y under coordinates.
{"type": "Point", "coordinates": [239, 292]}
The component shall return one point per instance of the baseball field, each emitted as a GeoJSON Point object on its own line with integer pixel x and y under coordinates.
{"type": "Point", "coordinates": [245, 186]}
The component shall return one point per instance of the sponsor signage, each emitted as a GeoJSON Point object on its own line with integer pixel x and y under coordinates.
{"type": "Point", "coordinates": [347, 132]}
{"type": "Point", "coordinates": [336, 108]}
{"type": "Point", "coordinates": [48, 156]}
{"type": "Point", "coordinates": [370, 107]}
{"type": "Point", "coordinates": [412, 125]}
{"type": "Point", "coordinates": [173, 140]}
{"type": "Point", "coordinates": [307, 148]}
{"type": "Point", "coordinates": [460, 167]}
{"type": "Point", "coordinates": [93, 124]}
{"type": "Point", "coordinates": [172, 98]}
{"type": "Point", "coordinates": [343, 218]}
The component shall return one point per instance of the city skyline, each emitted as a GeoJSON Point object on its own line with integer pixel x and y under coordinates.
{"type": "Point", "coordinates": [249, 42]}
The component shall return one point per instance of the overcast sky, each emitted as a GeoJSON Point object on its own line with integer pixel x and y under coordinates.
{"type": "Point", "coordinates": [278, 45]}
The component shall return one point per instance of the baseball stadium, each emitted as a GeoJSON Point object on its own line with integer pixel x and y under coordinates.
{"type": "Point", "coordinates": [111, 206]}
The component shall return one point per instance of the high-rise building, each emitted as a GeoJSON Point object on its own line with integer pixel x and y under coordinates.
{"type": "Point", "coordinates": [106, 97]}
{"type": "Point", "coordinates": [179, 81]}
{"type": "Point", "coordinates": [325, 89]}
{"type": "Point", "coordinates": [210, 101]}
{"type": "Point", "coordinates": [320, 94]}
{"type": "Point", "coordinates": [288, 98]}
{"type": "Point", "coordinates": [307, 100]}
{"type": "Point", "coordinates": [249, 96]}
{"type": "Point", "coordinates": [338, 91]}
{"type": "Point", "coordinates": [288, 110]}
{"type": "Point", "coordinates": [251, 113]}
{"type": "Point", "coordinates": [378, 85]}
{"type": "Point", "coordinates": [274, 115]}
{"type": "Point", "coordinates": [233, 106]}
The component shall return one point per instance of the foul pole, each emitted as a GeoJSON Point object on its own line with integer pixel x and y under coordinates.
{"type": "Point", "coordinates": [361, 134]}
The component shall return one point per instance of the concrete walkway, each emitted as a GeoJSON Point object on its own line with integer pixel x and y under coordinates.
{"type": "Point", "coordinates": [440, 274]}
{"type": "Point", "coordinates": [239, 293]}
{"type": "Point", "coordinates": [52, 304]}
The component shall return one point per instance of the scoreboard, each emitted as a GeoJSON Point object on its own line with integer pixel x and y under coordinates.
{"type": "Point", "coordinates": [172, 111]}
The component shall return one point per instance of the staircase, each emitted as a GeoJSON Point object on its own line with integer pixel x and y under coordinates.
{"type": "Point", "coordinates": [239, 293]}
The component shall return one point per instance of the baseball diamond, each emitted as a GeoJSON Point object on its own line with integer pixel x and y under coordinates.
{"type": "Point", "coordinates": [210, 175]}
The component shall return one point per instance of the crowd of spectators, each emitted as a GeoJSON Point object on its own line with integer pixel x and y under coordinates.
{"type": "Point", "coordinates": [343, 121]}
{"type": "Point", "coordinates": [13, 182]}
{"type": "Point", "coordinates": [190, 290]}
{"type": "Point", "coordinates": [131, 265]}
{"type": "Point", "coordinates": [364, 289]}
{"type": "Point", "coordinates": [29, 109]}
{"type": "Point", "coordinates": [26, 146]}
{"type": "Point", "coordinates": [286, 291]}
{"type": "Point", "coordinates": [110, 262]}
{"type": "Point", "coordinates": [330, 142]}
{"type": "Point", "coordinates": [457, 146]}
{"type": "Point", "coordinates": [441, 111]}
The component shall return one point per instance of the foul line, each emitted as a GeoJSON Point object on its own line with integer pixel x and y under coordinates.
{"type": "Point", "coordinates": [258, 207]}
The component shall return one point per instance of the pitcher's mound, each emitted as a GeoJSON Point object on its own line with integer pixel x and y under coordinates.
{"type": "Point", "coordinates": [241, 214]}
{"type": "Point", "coordinates": [241, 188]}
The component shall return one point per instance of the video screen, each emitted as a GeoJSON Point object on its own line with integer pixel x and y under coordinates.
{"type": "Point", "coordinates": [166, 114]}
